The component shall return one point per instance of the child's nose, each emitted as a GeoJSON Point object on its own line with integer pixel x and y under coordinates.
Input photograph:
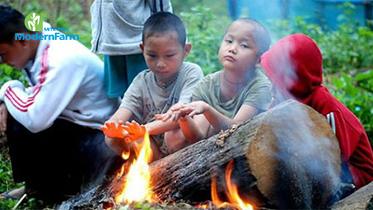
{"type": "Point", "coordinates": [161, 63]}
{"type": "Point", "coordinates": [233, 49]}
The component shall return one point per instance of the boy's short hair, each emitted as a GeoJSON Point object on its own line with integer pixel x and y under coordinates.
{"type": "Point", "coordinates": [261, 34]}
{"type": "Point", "coordinates": [162, 23]}
{"type": "Point", "coordinates": [11, 22]}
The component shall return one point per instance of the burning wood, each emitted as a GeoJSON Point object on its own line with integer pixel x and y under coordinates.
{"type": "Point", "coordinates": [287, 157]}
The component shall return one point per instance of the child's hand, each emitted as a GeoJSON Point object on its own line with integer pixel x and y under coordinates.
{"type": "Point", "coordinates": [196, 107]}
{"type": "Point", "coordinates": [113, 130]}
{"type": "Point", "coordinates": [134, 131]}
{"type": "Point", "coordinates": [173, 113]}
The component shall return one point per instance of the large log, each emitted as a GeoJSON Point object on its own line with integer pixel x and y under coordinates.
{"type": "Point", "coordinates": [286, 157]}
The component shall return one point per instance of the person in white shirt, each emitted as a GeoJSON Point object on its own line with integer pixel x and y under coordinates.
{"type": "Point", "coordinates": [52, 127]}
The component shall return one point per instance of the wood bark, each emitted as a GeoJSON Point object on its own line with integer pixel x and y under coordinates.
{"type": "Point", "coordinates": [287, 157]}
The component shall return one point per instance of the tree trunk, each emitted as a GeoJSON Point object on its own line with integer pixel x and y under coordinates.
{"type": "Point", "coordinates": [286, 157]}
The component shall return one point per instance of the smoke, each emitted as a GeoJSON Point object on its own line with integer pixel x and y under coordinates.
{"type": "Point", "coordinates": [307, 171]}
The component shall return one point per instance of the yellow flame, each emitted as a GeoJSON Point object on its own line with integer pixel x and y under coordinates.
{"type": "Point", "coordinates": [232, 193]}
{"type": "Point", "coordinates": [137, 184]}
{"type": "Point", "coordinates": [126, 154]}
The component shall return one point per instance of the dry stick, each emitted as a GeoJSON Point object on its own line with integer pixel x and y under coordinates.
{"type": "Point", "coordinates": [20, 201]}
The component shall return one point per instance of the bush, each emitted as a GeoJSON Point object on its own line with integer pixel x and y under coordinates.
{"type": "Point", "coordinates": [205, 31]}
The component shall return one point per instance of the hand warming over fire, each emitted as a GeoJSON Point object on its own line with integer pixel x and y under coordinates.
{"type": "Point", "coordinates": [134, 131]}
{"type": "Point", "coordinates": [114, 130]}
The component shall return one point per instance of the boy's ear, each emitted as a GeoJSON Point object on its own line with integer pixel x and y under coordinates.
{"type": "Point", "coordinates": [141, 47]}
{"type": "Point", "coordinates": [188, 47]}
{"type": "Point", "coordinates": [258, 63]}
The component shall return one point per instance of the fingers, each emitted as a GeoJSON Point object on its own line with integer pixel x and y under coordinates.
{"type": "Point", "coordinates": [104, 128]}
{"type": "Point", "coordinates": [164, 117]}
{"type": "Point", "coordinates": [177, 107]}
{"type": "Point", "coordinates": [191, 114]}
{"type": "Point", "coordinates": [158, 116]}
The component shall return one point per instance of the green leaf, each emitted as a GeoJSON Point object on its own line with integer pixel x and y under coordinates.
{"type": "Point", "coordinates": [364, 76]}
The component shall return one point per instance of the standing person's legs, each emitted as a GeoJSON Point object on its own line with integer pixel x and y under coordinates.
{"type": "Point", "coordinates": [134, 64]}
{"type": "Point", "coordinates": [119, 72]}
{"type": "Point", "coordinates": [115, 77]}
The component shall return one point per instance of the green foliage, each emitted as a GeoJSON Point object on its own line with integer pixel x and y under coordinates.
{"type": "Point", "coordinates": [205, 31]}
{"type": "Point", "coordinates": [356, 92]}
{"type": "Point", "coordinates": [8, 73]}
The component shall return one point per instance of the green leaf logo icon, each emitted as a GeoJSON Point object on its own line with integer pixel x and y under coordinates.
{"type": "Point", "coordinates": [34, 22]}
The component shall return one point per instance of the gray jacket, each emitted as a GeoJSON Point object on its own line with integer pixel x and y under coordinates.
{"type": "Point", "coordinates": [117, 24]}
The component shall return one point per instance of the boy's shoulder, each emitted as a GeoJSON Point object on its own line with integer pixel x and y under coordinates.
{"type": "Point", "coordinates": [260, 78]}
{"type": "Point", "coordinates": [188, 68]}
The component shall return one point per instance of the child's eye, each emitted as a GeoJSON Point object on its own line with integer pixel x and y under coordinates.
{"type": "Point", "coordinates": [152, 56]}
{"type": "Point", "coordinates": [244, 46]}
{"type": "Point", "coordinates": [170, 55]}
{"type": "Point", "coordinates": [228, 41]}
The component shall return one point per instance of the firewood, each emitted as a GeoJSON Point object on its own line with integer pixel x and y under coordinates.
{"type": "Point", "coordinates": [286, 157]}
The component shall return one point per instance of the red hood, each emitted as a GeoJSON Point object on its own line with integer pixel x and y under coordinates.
{"type": "Point", "coordinates": [302, 55]}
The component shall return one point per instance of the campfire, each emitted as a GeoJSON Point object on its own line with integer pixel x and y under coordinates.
{"type": "Point", "coordinates": [231, 192]}
{"type": "Point", "coordinates": [276, 165]}
{"type": "Point", "coordinates": [136, 187]}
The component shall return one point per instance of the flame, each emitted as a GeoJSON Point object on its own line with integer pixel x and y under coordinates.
{"type": "Point", "coordinates": [137, 183]}
{"type": "Point", "coordinates": [126, 155]}
{"type": "Point", "coordinates": [232, 193]}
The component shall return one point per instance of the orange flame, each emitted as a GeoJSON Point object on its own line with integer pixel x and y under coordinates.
{"type": "Point", "coordinates": [137, 184]}
{"type": "Point", "coordinates": [232, 192]}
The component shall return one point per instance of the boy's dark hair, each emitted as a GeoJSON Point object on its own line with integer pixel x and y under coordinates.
{"type": "Point", "coordinates": [11, 22]}
{"type": "Point", "coordinates": [261, 34]}
{"type": "Point", "coordinates": [162, 23]}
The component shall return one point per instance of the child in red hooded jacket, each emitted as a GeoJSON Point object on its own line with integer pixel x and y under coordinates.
{"type": "Point", "coordinates": [294, 65]}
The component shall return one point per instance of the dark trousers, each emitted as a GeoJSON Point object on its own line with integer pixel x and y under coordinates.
{"type": "Point", "coordinates": [60, 161]}
{"type": "Point", "coordinates": [346, 186]}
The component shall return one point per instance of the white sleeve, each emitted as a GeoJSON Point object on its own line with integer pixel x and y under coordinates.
{"type": "Point", "coordinates": [49, 97]}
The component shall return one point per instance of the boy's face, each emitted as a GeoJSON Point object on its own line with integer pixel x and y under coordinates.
{"type": "Point", "coordinates": [164, 54]}
{"type": "Point", "coordinates": [16, 54]}
{"type": "Point", "coordinates": [238, 50]}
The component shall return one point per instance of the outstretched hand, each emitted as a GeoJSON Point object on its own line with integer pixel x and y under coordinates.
{"type": "Point", "coordinates": [114, 130]}
{"type": "Point", "coordinates": [134, 131]}
{"type": "Point", "coordinates": [193, 108]}
{"type": "Point", "coordinates": [172, 113]}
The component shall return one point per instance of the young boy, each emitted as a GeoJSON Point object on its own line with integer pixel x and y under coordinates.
{"type": "Point", "coordinates": [232, 95]}
{"type": "Point", "coordinates": [168, 81]}
{"type": "Point", "coordinates": [294, 65]}
{"type": "Point", "coordinates": [52, 128]}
